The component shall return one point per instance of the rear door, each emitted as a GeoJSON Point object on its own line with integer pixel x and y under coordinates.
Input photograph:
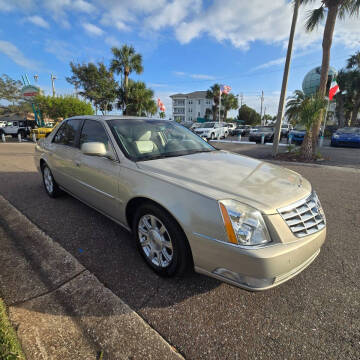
{"type": "Point", "coordinates": [98, 176]}
{"type": "Point", "coordinates": [64, 155]}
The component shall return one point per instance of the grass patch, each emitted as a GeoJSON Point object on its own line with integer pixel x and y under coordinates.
{"type": "Point", "coordinates": [10, 348]}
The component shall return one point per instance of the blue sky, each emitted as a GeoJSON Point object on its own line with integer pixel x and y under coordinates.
{"type": "Point", "coordinates": [187, 45]}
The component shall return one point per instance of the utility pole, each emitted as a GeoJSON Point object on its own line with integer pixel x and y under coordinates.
{"type": "Point", "coordinates": [285, 81]}
{"type": "Point", "coordinates": [53, 77]}
{"type": "Point", "coordinates": [241, 95]}
{"type": "Point", "coordinates": [262, 103]}
{"type": "Point", "coordinates": [76, 91]}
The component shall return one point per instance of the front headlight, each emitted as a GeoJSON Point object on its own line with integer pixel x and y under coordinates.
{"type": "Point", "coordinates": [244, 225]}
{"type": "Point", "coordinates": [335, 136]}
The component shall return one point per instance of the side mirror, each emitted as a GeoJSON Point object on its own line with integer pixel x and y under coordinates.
{"type": "Point", "coordinates": [94, 149]}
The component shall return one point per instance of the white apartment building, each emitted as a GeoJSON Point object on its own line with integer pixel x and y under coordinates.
{"type": "Point", "coordinates": [189, 107]}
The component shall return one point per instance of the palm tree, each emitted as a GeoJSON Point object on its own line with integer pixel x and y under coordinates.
{"type": "Point", "coordinates": [229, 102]}
{"type": "Point", "coordinates": [293, 106]}
{"type": "Point", "coordinates": [125, 61]}
{"type": "Point", "coordinates": [353, 63]}
{"type": "Point", "coordinates": [332, 9]}
{"type": "Point", "coordinates": [214, 94]}
{"type": "Point", "coordinates": [140, 99]}
{"type": "Point", "coordinates": [162, 115]}
{"type": "Point", "coordinates": [308, 111]}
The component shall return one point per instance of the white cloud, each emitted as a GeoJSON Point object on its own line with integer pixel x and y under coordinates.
{"type": "Point", "coordinates": [271, 63]}
{"type": "Point", "coordinates": [194, 76]}
{"type": "Point", "coordinates": [16, 55]}
{"type": "Point", "coordinates": [112, 41]}
{"type": "Point", "coordinates": [38, 20]}
{"type": "Point", "coordinates": [92, 29]}
{"type": "Point", "coordinates": [173, 13]}
{"type": "Point", "coordinates": [202, 76]}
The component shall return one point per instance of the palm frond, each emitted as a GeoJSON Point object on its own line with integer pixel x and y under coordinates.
{"type": "Point", "coordinates": [349, 8]}
{"type": "Point", "coordinates": [314, 18]}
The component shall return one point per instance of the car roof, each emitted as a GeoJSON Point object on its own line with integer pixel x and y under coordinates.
{"type": "Point", "coordinates": [112, 117]}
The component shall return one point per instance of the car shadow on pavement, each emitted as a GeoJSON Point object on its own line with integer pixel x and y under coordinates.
{"type": "Point", "coordinates": [103, 247]}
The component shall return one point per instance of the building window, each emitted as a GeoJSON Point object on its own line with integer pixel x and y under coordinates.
{"type": "Point", "coordinates": [198, 114]}
{"type": "Point", "coordinates": [199, 102]}
{"type": "Point", "coordinates": [190, 102]}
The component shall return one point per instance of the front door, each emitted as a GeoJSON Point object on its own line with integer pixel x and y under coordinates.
{"type": "Point", "coordinates": [98, 176]}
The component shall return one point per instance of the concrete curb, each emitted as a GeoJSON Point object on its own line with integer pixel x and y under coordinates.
{"type": "Point", "coordinates": [61, 310]}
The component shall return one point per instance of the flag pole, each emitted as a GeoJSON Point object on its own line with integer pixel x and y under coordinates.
{"type": "Point", "coordinates": [220, 105]}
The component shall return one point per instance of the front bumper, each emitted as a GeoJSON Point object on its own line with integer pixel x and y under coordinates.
{"type": "Point", "coordinates": [261, 268]}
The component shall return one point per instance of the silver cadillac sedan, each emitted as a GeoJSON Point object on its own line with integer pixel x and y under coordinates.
{"type": "Point", "coordinates": [188, 205]}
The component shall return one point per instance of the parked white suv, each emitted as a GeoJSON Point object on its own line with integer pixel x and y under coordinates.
{"type": "Point", "coordinates": [212, 130]}
{"type": "Point", "coordinates": [16, 127]}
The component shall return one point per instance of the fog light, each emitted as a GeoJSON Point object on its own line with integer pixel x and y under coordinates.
{"type": "Point", "coordinates": [244, 279]}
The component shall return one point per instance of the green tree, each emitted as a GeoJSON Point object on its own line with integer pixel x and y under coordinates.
{"type": "Point", "coordinates": [97, 84]}
{"type": "Point", "coordinates": [162, 115]}
{"type": "Point", "coordinates": [309, 110]}
{"type": "Point", "coordinates": [228, 102]}
{"type": "Point", "coordinates": [62, 106]}
{"type": "Point", "coordinates": [332, 9]}
{"type": "Point", "coordinates": [293, 106]}
{"type": "Point", "coordinates": [10, 89]}
{"type": "Point", "coordinates": [214, 94]}
{"type": "Point", "coordinates": [353, 64]}
{"type": "Point", "coordinates": [125, 61]}
{"type": "Point", "coordinates": [140, 99]}
{"type": "Point", "coordinates": [248, 115]}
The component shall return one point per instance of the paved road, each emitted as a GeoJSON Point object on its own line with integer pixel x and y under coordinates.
{"type": "Point", "coordinates": [313, 316]}
{"type": "Point", "coordinates": [348, 157]}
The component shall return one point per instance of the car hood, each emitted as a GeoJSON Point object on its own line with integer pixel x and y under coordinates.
{"type": "Point", "coordinates": [224, 175]}
{"type": "Point", "coordinates": [351, 136]}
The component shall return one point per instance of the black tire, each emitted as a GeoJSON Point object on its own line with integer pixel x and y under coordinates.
{"type": "Point", "coordinates": [181, 260]}
{"type": "Point", "coordinates": [53, 191]}
{"type": "Point", "coordinates": [23, 134]}
{"type": "Point", "coordinates": [333, 144]}
{"type": "Point", "coordinates": [212, 136]}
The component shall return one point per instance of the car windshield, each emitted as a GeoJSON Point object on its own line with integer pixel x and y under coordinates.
{"type": "Point", "coordinates": [208, 125]}
{"type": "Point", "coordinates": [300, 128]}
{"type": "Point", "coordinates": [49, 125]}
{"type": "Point", "coordinates": [350, 130]}
{"type": "Point", "coordinates": [265, 129]}
{"type": "Point", "coordinates": [145, 139]}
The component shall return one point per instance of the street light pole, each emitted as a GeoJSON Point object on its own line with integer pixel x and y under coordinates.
{"type": "Point", "coordinates": [285, 80]}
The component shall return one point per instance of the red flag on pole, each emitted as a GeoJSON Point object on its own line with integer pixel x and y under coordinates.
{"type": "Point", "coordinates": [334, 89]}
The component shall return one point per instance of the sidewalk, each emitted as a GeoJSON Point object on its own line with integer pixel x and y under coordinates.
{"type": "Point", "coordinates": [59, 309]}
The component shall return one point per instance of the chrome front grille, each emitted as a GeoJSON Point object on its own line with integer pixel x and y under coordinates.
{"type": "Point", "coordinates": [304, 217]}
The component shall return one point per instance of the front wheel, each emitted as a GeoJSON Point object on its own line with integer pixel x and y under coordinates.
{"type": "Point", "coordinates": [161, 241]}
{"type": "Point", "coordinates": [212, 137]}
{"type": "Point", "coordinates": [51, 187]}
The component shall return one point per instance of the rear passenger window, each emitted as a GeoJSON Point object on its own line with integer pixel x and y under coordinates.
{"type": "Point", "coordinates": [67, 133]}
{"type": "Point", "coordinates": [93, 131]}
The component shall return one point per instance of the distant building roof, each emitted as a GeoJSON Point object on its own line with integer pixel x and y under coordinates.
{"type": "Point", "coordinates": [192, 95]}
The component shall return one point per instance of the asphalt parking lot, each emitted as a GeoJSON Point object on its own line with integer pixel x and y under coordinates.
{"type": "Point", "coordinates": [313, 316]}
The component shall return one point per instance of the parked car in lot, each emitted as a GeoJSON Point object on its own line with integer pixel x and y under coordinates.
{"type": "Point", "coordinates": [252, 224]}
{"type": "Point", "coordinates": [194, 126]}
{"type": "Point", "coordinates": [212, 130]}
{"type": "Point", "coordinates": [243, 130]}
{"type": "Point", "coordinates": [297, 134]}
{"type": "Point", "coordinates": [43, 131]}
{"type": "Point", "coordinates": [14, 128]}
{"type": "Point", "coordinates": [231, 128]}
{"type": "Point", "coordinates": [266, 131]}
{"type": "Point", "coordinates": [349, 136]}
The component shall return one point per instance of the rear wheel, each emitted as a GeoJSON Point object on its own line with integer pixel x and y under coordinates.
{"type": "Point", "coordinates": [51, 187]}
{"type": "Point", "coordinates": [161, 241]}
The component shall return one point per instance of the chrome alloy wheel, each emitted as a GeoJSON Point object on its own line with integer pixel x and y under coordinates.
{"type": "Point", "coordinates": [48, 179]}
{"type": "Point", "coordinates": [155, 240]}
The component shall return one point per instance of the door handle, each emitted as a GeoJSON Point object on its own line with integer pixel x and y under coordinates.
{"type": "Point", "coordinates": [77, 163]}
